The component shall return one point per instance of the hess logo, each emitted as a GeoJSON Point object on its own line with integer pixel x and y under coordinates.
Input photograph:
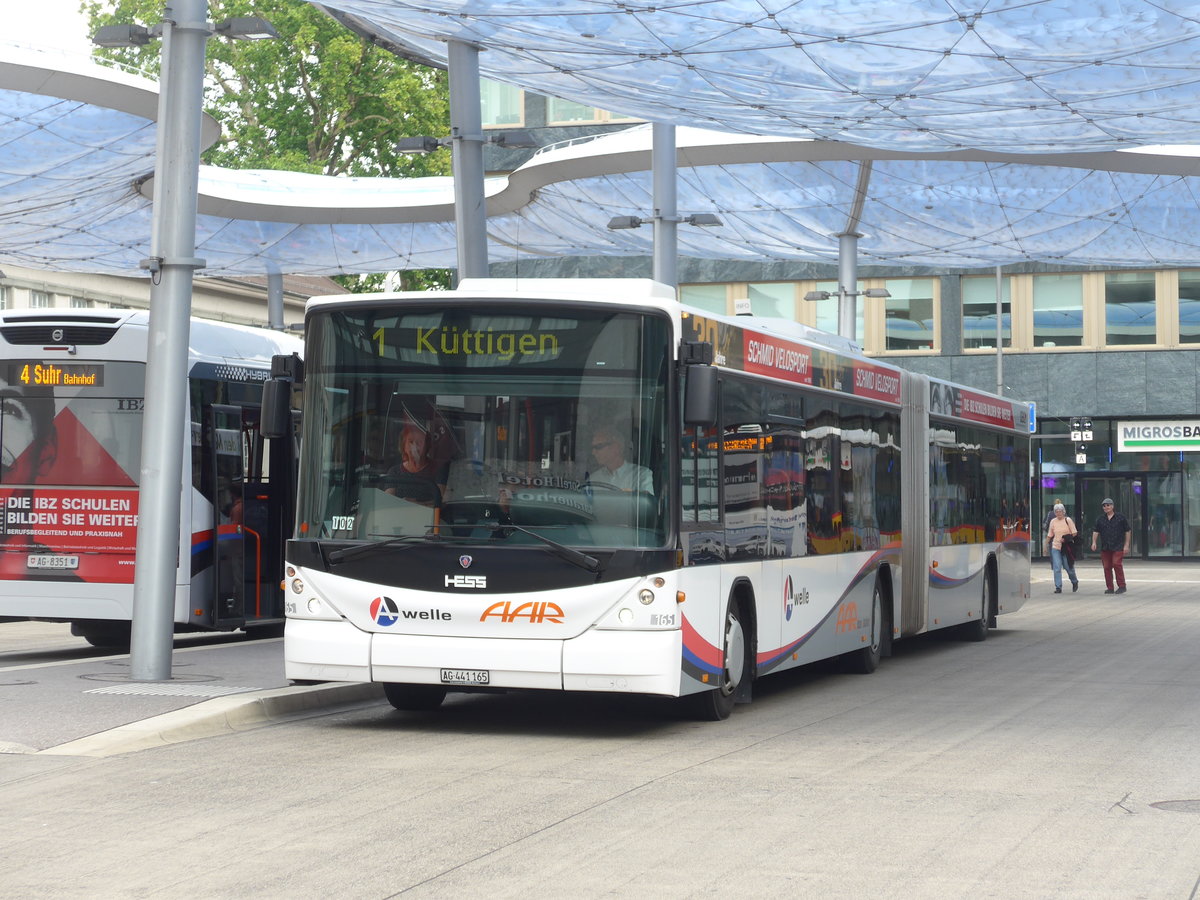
{"type": "Point", "coordinates": [466, 581]}
{"type": "Point", "coordinates": [533, 613]}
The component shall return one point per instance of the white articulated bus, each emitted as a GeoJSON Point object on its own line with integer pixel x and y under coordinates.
{"type": "Point", "coordinates": [585, 486]}
{"type": "Point", "coordinates": [72, 389]}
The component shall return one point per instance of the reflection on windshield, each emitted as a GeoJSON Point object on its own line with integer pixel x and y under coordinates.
{"type": "Point", "coordinates": [571, 446]}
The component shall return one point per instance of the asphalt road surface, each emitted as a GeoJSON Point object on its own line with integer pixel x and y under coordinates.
{"type": "Point", "coordinates": [1059, 759]}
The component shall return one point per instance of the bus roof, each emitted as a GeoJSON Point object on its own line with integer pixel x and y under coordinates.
{"type": "Point", "coordinates": [208, 339]}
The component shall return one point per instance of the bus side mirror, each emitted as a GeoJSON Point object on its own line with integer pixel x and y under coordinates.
{"type": "Point", "coordinates": [275, 420]}
{"type": "Point", "coordinates": [287, 370]}
{"type": "Point", "coordinates": [700, 395]}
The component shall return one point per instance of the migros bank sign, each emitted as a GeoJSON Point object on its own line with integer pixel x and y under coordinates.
{"type": "Point", "coordinates": [1158, 434]}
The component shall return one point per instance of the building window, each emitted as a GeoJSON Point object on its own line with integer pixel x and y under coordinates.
{"type": "Point", "coordinates": [1189, 306]}
{"type": "Point", "coordinates": [979, 313]}
{"type": "Point", "coordinates": [909, 323]}
{"type": "Point", "coordinates": [5, 296]}
{"type": "Point", "coordinates": [1057, 310]}
{"type": "Point", "coordinates": [776, 299]}
{"type": "Point", "coordinates": [711, 298]}
{"type": "Point", "coordinates": [1129, 308]}
{"type": "Point", "coordinates": [82, 303]}
{"type": "Point", "coordinates": [39, 300]}
{"type": "Point", "coordinates": [568, 112]}
{"type": "Point", "coordinates": [501, 104]}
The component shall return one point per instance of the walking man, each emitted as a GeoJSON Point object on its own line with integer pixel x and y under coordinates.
{"type": "Point", "coordinates": [1113, 532]}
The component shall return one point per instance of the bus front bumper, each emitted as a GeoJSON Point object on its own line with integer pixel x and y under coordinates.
{"type": "Point", "coordinates": [639, 662]}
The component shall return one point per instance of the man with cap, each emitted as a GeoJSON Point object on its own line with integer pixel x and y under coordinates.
{"type": "Point", "coordinates": [1113, 532]}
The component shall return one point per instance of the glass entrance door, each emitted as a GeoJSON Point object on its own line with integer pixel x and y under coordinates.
{"type": "Point", "coordinates": [1164, 515]}
{"type": "Point", "coordinates": [1129, 496]}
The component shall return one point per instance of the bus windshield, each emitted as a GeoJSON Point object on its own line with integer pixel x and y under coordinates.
{"type": "Point", "coordinates": [455, 421]}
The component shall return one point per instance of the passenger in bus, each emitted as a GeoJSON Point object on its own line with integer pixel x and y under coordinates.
{"type": "Point", "coordinates": [418, 476]}
{"type": "Point", "coordinates": [608, 449]}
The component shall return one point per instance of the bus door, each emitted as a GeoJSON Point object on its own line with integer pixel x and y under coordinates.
{"type": "Point", "coordinates": [223, 486]}
{"type": "Point", "coordinates": [267, 514]}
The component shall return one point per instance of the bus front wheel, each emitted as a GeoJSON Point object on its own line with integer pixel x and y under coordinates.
{"type": "Point", "coordinates": [414, 697]}
{"type": "Point", "coordinates": [717, 704]}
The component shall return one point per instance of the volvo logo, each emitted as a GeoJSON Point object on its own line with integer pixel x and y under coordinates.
{"type": "Point", "coordinates": [57, 335]}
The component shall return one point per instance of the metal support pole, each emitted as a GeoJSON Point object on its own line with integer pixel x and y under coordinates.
{"type": "Point", "coordinates": [999, 334]}
{"type": "Point", "coordinates": [275, 300]}
{"type": "Point", "coordinates": [172, 263]}
{"type": "Point", "coordinates": [848, 284]}
{"type": "Point", "coordinates": [466, 136]}
{"type": "Point", "coordinates": [666, 213]}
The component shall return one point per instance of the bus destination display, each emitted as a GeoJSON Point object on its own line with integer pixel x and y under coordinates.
{"type": "Point", "coordinates": [34, 373]}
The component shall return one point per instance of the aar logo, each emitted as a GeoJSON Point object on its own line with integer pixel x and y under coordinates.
{"type": "Point", "coordinates": [788, 598]}
{"type": "Point", "coordinates": [384, 611]}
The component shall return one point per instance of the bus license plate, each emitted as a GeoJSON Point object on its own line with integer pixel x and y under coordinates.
{"type": "Point", "coordinates": [465, 676]}
{"type": "Point", "coordinates": [52, 562]}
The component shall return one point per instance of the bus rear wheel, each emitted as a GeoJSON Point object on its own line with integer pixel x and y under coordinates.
{"type": "Point", "coordinates": [107, 635]}
{"type": "Point", "coordinates": [414, 697]}
{"type": "Point", "coordinates": [865, 660]}
{"type": "Point", "coordinates": [717, 704]}
{"type": "Point", "coordinates": [977, 630]}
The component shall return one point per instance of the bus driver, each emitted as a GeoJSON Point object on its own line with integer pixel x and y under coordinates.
{"type": "Point", "coordinates": [608, 449]}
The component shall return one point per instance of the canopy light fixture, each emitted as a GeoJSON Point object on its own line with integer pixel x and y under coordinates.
{"type": "Point", "coordinates": [868, 292]}
{"type": "Point", "coordinates": [243, 28]}
{"type": "Point", "coordinates": [246, 28]}
{"type": "Point", "coordinates": [515, 139]}
{"type": "Point", "coordinates": [114, 36]}
{"type": "Point", "coordinates": [701, 219]}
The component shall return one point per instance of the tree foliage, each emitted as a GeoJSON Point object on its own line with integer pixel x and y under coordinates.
{"type": "Point", "coordinates": [320, 99]}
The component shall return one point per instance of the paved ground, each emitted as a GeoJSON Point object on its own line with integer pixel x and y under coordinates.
{"type": "Point", "coordinates": [59, 694]}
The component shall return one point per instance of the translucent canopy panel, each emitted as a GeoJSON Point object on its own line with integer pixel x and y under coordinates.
{"type": "Point", "coordinates": [77, 153]}
{"type": "Point", "coordinates": [1006, 75]}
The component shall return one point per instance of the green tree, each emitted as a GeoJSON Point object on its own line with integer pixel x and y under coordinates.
{"type": "Point", "coordinates": [320, 99]}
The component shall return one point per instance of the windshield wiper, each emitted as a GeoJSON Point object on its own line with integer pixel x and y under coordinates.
{"type": "Point", "coordinates": [562, 551]}
{"type": "Point", "coordinates": [404, 540]}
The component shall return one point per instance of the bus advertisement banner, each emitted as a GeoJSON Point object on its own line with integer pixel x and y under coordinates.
{"type": "Point", "coordinates": [765, 354]}
{"type": "Point", "coordinates": [69, 533]}
{"type": "Point", "coordinates": [70, 437]}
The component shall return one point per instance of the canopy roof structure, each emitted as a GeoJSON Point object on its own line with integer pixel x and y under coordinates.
{"type": "Point", "coordinates": [930, 75]}
{"type": "Point", "coordinates": [993, 137]}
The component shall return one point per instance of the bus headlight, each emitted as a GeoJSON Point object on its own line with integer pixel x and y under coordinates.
{"type": "Point", "coordinates": [646, 596]}
{"type": "Point", "coordinates": [297, 586]}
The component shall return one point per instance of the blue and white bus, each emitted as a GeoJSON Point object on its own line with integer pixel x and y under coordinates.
{"type": "Point", "coordinates": [586, 486]}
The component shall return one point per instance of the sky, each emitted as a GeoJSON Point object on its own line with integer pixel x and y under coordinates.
{"type": "Point", "coordinates": [26, 22]}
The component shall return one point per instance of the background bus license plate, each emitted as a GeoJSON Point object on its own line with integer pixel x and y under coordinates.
{"type": "Point", "coordinates": [52, 562]}
{"type": "Point", "coordinates": [465, 676]}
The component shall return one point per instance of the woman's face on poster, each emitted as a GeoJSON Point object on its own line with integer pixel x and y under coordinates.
{"type": "Point", "coordinates": [16, 430]}
{"type": "Point", "coordinates": [24, 429]}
